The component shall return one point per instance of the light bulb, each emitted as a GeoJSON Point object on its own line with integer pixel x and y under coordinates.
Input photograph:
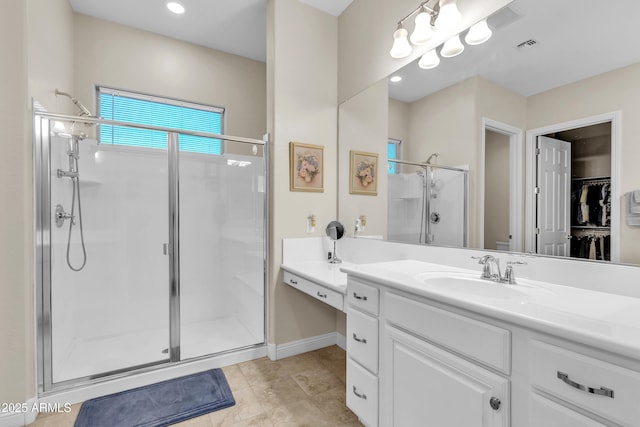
{"type": "Point", "coordinates": [175, 7]}
{"type": "Point", "coordinates": [395, 79]}
{"type": "Point", "coordinates": [449, 15]}
{"type": "Point", "coordinates": [478, 33]}
{"type": "Point", "coordinates": [401, 47]}
{"type": "Point", "coordinates": [429, 60]}
{"type": "Point", "coordinates": [422, 32]}
{"type": "Point", "coordinates": [452, 47]}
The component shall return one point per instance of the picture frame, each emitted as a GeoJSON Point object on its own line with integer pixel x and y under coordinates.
{"type": "Point", "coordinates": [363, 173]}
{"type": "Point", "coordinates": [306, 167]}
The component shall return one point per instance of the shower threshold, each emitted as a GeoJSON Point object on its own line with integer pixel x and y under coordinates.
{"type": "Point", "coordinates": [90, 357]}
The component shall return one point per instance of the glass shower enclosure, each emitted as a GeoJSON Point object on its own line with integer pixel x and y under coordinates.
{"type": "Point", "coordinates": [146, 257]}
{"type": "Point", "coordinates": [428, 204]}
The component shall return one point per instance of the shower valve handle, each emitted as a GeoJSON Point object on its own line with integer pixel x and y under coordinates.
{"type": "Point", "coordinates": [61, 216]}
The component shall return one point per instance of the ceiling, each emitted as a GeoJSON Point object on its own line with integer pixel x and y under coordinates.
{"type": "Point", "coordinates": [233, 26]}
{"type": "Point", "coordinates": [575, 40]}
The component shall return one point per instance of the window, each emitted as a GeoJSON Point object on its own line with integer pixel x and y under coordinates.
{"type": "Point", "coordinates": [155, 111]}
{"type": "Point", "coordinates": [393, 153]}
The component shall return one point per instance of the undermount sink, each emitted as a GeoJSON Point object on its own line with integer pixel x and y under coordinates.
{"type": "Point", "coordinates": [467, 284]}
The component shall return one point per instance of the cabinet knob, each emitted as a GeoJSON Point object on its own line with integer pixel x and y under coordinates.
{"type": "Point", "coordinates": [495, 403]}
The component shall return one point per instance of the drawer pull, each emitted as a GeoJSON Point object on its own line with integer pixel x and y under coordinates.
{"type": "Point", "coordinates": [363, 297]}
{"type": "Point", "coordinates": [602, 391]}
{"type": "Point", "coordinates": [362, 340]}
{"type": "Point", "coordinates": [361, 396]}
{"type": "Point", "coordinates": [293, 282]}
{"type": "Point", "coordinates": [321, 295]}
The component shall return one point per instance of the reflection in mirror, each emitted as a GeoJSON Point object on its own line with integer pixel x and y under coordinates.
{"type": "Point", "coordinates": [335, 231]}
{"type": "Point", "coordinates": [543, 73]}
{"type": "Point", "coordinates": [427, 203]}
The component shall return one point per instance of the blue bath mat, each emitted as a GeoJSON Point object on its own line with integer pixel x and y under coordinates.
{"type": "Point", "coordinates": [160, 404]}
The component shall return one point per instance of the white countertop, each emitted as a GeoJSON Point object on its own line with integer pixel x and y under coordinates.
{"type": "Point", "coordinates": [321, 272]}
{"type": "Point", "coordinates": [602, 320]}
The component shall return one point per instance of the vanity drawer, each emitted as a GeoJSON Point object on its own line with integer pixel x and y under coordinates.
{"type": "Point", "coordinates": [603, 388]}
{"type": "Point", "coordinates": [362, 393]}
{"type": "Point", "coordinates": [362, 339]}
{"type": "Point", "coordinates": [363, 296]}
{"type": "Point", "coordinates": [333, 298]}
{"type": "Point", "coordinates": [477, 340]}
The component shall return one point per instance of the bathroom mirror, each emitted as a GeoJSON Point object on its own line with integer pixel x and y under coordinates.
{"type": "Point", "coordinates": [335, 230]}
{"type": "Point", "coordinates": [544, 65]}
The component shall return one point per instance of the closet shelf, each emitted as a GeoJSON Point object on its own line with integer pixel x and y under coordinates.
{"type": "Point", "coordinates": [589, 178]}
{"type": "Point", "coordinates": [591, 227]}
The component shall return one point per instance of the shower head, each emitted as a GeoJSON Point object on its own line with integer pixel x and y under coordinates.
{"type": "Point", "coordinates": [84, 111]}
{"type": "Point", "coordinates": [428, 161]}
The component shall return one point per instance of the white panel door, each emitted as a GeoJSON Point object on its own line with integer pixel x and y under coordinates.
{"type": "Point", "coordinates": [553, 199]}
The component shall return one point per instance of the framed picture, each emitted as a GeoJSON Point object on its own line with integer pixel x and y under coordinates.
{"type": "Point", "coordinates": [306, 167]}
{"type": "Point", "coordinates": [363, 173]}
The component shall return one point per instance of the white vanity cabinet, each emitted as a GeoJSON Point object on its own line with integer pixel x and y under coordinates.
{"type": "Point", "coordinates": [418, 366]}
{"type": "Point", "coordinates": [571, 388]}
{"type": "Point", "coordinates": [434, 367]}
{"type": "Point", "coordinates": [362, 351]}
{"type": "Point", "coordinates": [316, 290]}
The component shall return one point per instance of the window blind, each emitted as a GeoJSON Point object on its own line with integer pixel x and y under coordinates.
{"type": "Point", "coordinates": [155, 111]}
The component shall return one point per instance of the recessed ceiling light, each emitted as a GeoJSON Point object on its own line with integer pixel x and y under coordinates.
{"type": "Point", "coordinates": [175, 7]}
{"type": "Point", "coordinates": [395, 79]}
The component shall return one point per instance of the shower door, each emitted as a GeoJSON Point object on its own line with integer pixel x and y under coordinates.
{"type": "Point", "coordinates": [147, 254]}
{"type": "Point", "coordinates": [105, 223]}
{"type": "Point", "coordinates": [221, 216]}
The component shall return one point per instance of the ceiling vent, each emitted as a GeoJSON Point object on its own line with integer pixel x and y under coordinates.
{"type": "Point", "coordinates": [527, 45]}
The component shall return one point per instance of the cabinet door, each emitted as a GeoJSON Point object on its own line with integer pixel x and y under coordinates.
{"type": "Point", "coordinates": [427, 386]}
{"type": "Point", "coordinates": [545, 412]}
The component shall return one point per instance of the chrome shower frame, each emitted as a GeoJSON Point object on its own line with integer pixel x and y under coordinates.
{"type": "Point", "coordinates": [43, 222]}
{"type": "Point", "coordinates": [465, 172]}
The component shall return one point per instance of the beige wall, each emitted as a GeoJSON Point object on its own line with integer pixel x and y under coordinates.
{"type": "Point", "coordinates": [496, 181]}
{"type": "Point", "coordinates": [614, 91]}
{"type": "Point", "coordinates": [37, 57]}
{"type": "Point", "coordinates": [399, 126]}
{"type": "Point", "coordinates": [366, 35]}
{"type": "Point", "coordinates": [302, 106]}
{"type": "Point", "coordinates": [363, 126]}
{"type": "Point", "coordinates": [16, 307]}
{"type": "Point", "coordinates": [158, 65]}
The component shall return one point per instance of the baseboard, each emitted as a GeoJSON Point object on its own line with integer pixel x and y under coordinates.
{"type": "Point", "coordinates": [293, 348]}
{"type": "Point", "coordinates": [26, 414]}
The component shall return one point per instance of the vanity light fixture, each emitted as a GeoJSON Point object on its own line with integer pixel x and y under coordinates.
{"type": "Point", "coordinates": [429, 60]}
{"type": "Point", "coordinates": [422, 32]}
{"type": "Point", "coordinates": [433, 15]}
{"type": "Point", "coordinates": [478, 33]}
{"type": "Point", "coordinates": [449, 15]}
{"type": "Point", "coordinates": [175, 7]}
{"type": "Point", "coordinates": [401, 47]}
{"type": "Point", "coordinates": [452, 47]}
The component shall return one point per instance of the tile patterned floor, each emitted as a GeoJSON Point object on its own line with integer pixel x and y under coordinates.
{"type": "Point", "coordinates": [304, 390]}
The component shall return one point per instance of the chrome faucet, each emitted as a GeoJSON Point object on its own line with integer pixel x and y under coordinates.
{"type": "Point", "coordinates": [491, 269]}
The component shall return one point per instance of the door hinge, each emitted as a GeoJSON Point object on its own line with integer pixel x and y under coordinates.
{"type": "Point", "coordinates": [537, 230]}
{"type": "Point", "coordinates": [538, 151]}
{"type": "Point", "coordinates": [536, 190]}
